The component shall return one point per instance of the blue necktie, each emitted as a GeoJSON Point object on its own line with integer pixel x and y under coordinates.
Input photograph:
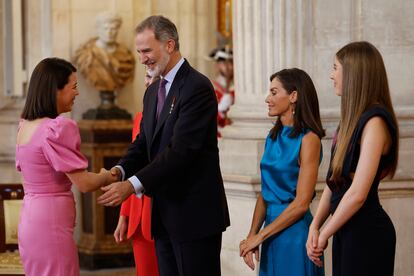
{"type": "Point", "coordinates": [161, 96]}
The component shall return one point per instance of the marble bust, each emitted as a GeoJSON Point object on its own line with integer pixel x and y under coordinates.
{"type": "Point", "coordinates": [106, 64]}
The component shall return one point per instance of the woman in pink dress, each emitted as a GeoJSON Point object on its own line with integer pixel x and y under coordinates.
{"type": "Point", "coordinates": [48, 156]}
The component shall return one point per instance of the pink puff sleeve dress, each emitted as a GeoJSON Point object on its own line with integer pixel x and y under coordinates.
{"type": "Point", "coordinates": [47, 218]}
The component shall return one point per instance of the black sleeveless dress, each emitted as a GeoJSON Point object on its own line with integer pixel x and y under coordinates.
{"type": "Point", "coordinates": [365, 245]}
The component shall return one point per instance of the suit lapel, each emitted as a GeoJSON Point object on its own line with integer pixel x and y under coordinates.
{"type": "Point", "coordinates": [172, 96]}
{"type": "Point", "coordinates": [152, 106]}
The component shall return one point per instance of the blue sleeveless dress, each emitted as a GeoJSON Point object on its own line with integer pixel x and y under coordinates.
{"type": "Point", "coordinates": [284, 253]}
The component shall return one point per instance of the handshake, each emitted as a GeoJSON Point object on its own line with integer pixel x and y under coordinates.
{"type": "Point", "coordinates": [115, 191]}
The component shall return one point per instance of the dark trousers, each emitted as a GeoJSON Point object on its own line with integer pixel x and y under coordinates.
{"type": "Point", "coordinates": [199, 257]}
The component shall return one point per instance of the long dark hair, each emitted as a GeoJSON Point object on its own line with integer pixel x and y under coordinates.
{"type": "Point", "coordinates": [50, 75]}
{"type": "Point", "coordinates": [307, 106]}
{"type": "Point", "coordinates": [364, 83]}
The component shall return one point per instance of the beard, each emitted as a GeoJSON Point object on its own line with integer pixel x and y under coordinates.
{"type": "Point", "coordinates": [160, 65]}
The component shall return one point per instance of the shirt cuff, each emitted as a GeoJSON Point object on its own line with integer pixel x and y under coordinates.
{"type": "Point", "coordinates": [122, 172]}
{"type": "Point", "coordinates": [137, 185]}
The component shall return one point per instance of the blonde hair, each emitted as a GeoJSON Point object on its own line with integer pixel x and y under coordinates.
{"type": "Point", "coordinates": [364, 84]}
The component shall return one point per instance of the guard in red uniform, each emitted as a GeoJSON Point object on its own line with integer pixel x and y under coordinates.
{"type": "Point", "coordinates": [223, 84]}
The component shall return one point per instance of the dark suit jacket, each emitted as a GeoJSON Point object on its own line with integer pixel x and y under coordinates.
{"type": "Point", "coordinates": [176, 158]}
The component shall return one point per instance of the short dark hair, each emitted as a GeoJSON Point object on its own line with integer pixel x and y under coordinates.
{"type": "Point", "coordinates": [307, 106]}
{"type": "Point", "coordinates": [163, 29]}
{"type": "Point", "coordinates": [50, 75]}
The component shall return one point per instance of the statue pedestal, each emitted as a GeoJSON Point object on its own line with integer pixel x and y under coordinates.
{"type": "Point", "coordinates": [107, 110]}
{"type": "Point", "coordinates": [106, 114]}
{"type": "Point", "coordinates": [104, 142]}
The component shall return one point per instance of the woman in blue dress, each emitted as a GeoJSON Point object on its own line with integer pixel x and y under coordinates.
{"type": "Point", "coordinates": [289, 170]}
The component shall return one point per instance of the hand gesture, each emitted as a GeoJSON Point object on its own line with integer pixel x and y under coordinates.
{"type": "Point", "coordinates": [248, 258]}
{"type": "Point", "coordinates": [322, 243]}
{"type": "Point", "coordinates": [108, 176]}
{"type": "Point", "coordinates": [115, 193]}
{"type": "Point", "coordinates": [121, 229]}
{"type": "Point", "coordinates": [312, 247]}
{"type": "Point", "coordinates": [116, 172]}
{"type": "Point", "coordinates": [250, 243]}
{"type": "Point", "coordinates": [250, 247]}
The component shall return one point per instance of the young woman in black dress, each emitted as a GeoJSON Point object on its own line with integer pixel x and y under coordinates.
{"type": "Point", "coordinates": [364, 151]}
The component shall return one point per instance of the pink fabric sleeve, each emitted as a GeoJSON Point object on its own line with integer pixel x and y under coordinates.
{"type": "Point", "coordinates": [62, 146]}
{"type": "Point", "coordinates": [18, 168]}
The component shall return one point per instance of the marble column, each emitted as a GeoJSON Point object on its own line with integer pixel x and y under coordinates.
{"type": "Point", "coordinates": [36, 33]}
{"type": "Point", "coordinates": [270, 35]}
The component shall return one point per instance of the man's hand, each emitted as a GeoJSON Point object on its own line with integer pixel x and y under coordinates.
{"type": "Point", "coordinates": [115, 193]}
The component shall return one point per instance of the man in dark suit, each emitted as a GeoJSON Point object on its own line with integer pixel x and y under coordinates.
{"type": "Point", "coordinates": [175, 158]}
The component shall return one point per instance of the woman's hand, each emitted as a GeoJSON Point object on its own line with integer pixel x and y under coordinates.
{"type": "Point", "coordinates": [248, 254]}
{"type": "Point", "coordinates": [121, 229]}
{"type": "Point", "coordinates": [108, 176]}
{"type": "Point", "coordinates": [248, 258]}
{"type": "Point", "coordinates": [250, 243]}
{"type": "Point", "coordinates": [322, 242]}
{"type": "Point", "coordinates": [312, 247]}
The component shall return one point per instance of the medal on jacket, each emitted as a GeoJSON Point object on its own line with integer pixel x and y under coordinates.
{"type": "Point", "coordinates": [172, 105]}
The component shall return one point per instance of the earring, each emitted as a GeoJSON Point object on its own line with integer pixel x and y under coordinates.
{"type": "Point", "coordinates": [293, 105]}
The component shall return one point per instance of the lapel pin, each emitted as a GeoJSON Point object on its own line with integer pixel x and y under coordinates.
{"type": "Point", "coordinates": [172, 105]}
